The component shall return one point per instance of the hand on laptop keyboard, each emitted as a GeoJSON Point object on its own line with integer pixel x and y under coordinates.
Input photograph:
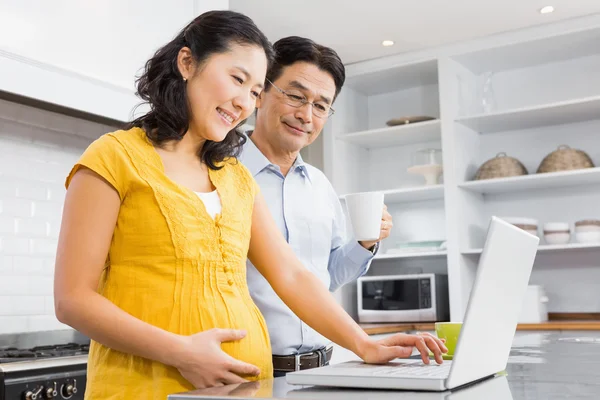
{"type": "Point", "coordinates": [401, 346]}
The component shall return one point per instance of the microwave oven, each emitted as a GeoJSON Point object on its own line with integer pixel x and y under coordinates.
{"type": "Point", "coordinates": [403, 298]}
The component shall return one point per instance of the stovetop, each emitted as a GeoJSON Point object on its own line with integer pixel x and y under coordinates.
{"type": "Point", "coordinates": [34, 346]}
{"type": "Point", "coordinates": [13, 354]}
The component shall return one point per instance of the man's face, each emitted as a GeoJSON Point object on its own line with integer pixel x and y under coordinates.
{"type": "Point", "coordinates": [291, 128]}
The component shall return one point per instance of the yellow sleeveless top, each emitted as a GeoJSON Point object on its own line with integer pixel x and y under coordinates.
{"type": "Point", "coordinates": [171, 265]}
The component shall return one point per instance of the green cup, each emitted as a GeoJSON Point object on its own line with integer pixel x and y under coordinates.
{"type": "Point", "coordinates": [450, 332]}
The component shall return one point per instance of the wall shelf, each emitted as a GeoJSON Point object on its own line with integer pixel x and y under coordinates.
{"type": "Point", "coordinates": [548, 248]}
{"type": "Point", "coordinates": [552, 47]}
{"type": "Point", "coordinates": [558, 180]}
{"type": "Point", "coordinates": [408, 195]}
{"type": "Point", "coordinates": [413, 255]}
{"type": "Point", "coordinates": [419, 132]}
{"type": "Point", "coordinates": [383, 80]}
{"type": "Point", "coordinates": [559, 113]}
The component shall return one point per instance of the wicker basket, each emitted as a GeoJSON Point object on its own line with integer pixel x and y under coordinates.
{"type": "Point", "coordinates": [501, 166]}
{"type": "Point", "coordinates": [564, 159]}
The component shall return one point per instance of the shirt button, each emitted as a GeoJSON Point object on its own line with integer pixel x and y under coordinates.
{"type": "Point", "coordinates": [226, 269]}
{"type": "Point", "coordinates": [230, 281]}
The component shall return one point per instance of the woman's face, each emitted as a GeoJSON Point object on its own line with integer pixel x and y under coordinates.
{"type": "Point", "coordinates": [222, 91]}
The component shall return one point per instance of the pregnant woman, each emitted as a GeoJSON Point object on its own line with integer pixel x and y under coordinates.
{"type": "Point", "coordinates": [159, 220]}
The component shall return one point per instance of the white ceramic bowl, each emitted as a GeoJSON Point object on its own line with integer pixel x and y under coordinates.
{"type": "Point", "coordinates": [534, 233]}
{"type": "Point", "coordinates": [557, 238]}
{"type": "Point", "coordinates": [556, 227]}
{"type": "Point", "coordinates": [588, 237]}
{"type": "Point", "coordinates": [521, 220]}
{"type": "Point", "coordinates": [587, 228]}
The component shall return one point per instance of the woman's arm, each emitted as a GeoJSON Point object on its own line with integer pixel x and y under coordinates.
{"type": "Point", "coordinates": [89, 219]}
{"type": "Point", "coordinates": [310, 300]}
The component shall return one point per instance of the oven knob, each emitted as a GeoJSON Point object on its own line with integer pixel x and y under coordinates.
{"type": "Point", "coordinates": [69, 390]}
{"type": "Point", "coordinates": [34, 395]}
{"type": "Point", "coordinates": [51, 392]}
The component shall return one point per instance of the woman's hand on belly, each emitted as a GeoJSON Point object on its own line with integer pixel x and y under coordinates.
{"type": "Point", "coordinates": [203, 363]}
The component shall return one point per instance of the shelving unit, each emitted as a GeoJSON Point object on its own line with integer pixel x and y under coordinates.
{"type": "Point", "coordinates": [546, 92]}
{"type": "Point", "coordinates": [548, 248]}
{"type": "Point", "coordinates": [420, 132]}
{"type": "Point", "coordinates": [381, 80]}
{"type": "Point", "coordinates": [558, 113]}
{"type": "Point", "coordinates": [413, 255]}
{"type": "Point", "coordinates": [550, 180]}
{"type": "Point", "coordinates": [576, 41]}
{"type": "Point", "coordinates": [411, 194]}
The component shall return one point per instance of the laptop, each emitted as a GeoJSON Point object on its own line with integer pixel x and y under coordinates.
{"type": "Point", "coordinates": [486, 336]}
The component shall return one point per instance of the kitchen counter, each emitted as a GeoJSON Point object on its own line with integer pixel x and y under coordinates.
{"type": "Point", "coordinates": [558, 325]}
{"type": "Point", "coordinates": [542, 365]}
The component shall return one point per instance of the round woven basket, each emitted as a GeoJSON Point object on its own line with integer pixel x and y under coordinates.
{"type": "Point", "coordinates": [564, 159]}
{"type": "Point", "coordinates": [501, 166]}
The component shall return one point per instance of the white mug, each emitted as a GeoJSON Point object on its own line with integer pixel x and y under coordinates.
{"type": "Point", "coordinates": [365, 211]}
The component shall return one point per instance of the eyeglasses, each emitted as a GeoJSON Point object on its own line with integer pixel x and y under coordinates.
{"type": "Point", "coordinates": [319, 109]}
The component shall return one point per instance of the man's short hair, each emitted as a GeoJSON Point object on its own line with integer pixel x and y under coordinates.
{"type": "Point", "coordinates": [293, 49]}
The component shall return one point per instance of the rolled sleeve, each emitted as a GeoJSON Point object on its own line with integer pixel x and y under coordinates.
{"type": "Point", "coordinates": [348, 263]}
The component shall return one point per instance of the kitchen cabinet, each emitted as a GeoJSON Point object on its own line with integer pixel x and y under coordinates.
{"type": "Point", "coordinates": [86, 55]}
{"type": "Point", "coordinates": [522, 93]}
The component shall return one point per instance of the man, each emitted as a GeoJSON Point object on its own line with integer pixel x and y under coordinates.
{"type": "Point", "coordinates": [291, 112]}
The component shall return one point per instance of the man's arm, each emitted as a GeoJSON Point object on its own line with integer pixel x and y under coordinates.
{"type": "Point", "coordinates": [348, 259]}
{"type": "Point", "coordinates": [347, 263]}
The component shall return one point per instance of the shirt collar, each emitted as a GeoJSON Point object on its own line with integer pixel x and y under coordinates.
{"type": "Point", "coordinates": [256, 161]}
{"type": "Point", "coordinates": [252, 157]}
{"type": "Point", "coordinates": [300, 165]}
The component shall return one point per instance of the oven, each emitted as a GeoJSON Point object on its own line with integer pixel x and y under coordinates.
{"type": "Point", "coordinates": [43, 365]}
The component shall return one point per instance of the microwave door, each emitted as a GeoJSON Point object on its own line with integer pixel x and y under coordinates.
{"type": "Point", "coordinates": [391, 300]}
{"type": "Point", "coordinates": [402, 295]}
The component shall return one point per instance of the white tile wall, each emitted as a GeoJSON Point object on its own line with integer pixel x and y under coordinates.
{"type": "Point", "coordinates": [37, 150]}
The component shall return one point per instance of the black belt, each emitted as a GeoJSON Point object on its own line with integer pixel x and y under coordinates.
{"type": "Point", "coordinates": [297, 362]}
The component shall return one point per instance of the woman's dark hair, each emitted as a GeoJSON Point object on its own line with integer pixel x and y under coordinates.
{"type": "Point", "coordinates": [162, 87]}
{"type": "Point", "coordinates": [293, 49]}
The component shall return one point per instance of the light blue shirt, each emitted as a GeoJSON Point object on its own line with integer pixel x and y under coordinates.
{"type": "Point", "coordinates": [309, 215]}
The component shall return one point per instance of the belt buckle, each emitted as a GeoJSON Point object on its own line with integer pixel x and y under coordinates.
{"type": "Point", "coordinates": [297, 362]}
{"type": "Point", "coordinates": [320, 357]}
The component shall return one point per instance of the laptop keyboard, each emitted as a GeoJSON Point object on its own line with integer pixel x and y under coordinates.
{"type": "Point", "coordinates": [399, 370]}
{"type": "Point", "coordinates": [414, 370]}
{"type": "Point", "coordinates": [395, 369]}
